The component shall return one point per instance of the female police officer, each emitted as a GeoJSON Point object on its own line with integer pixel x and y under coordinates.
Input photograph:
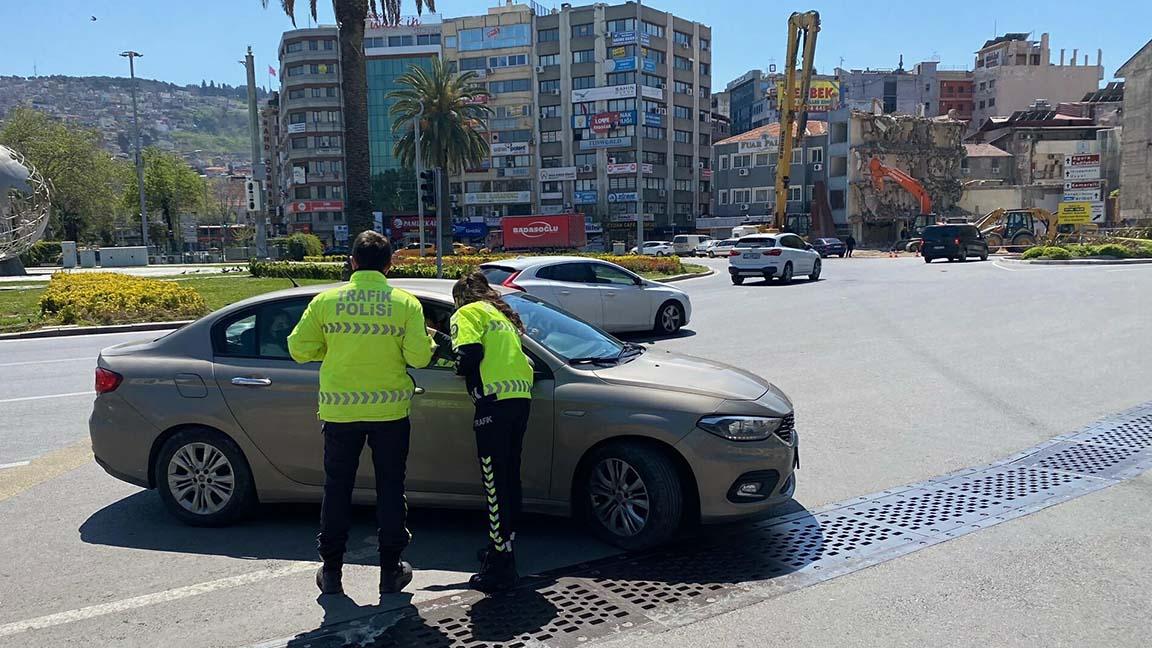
{"type": "Point", "coordinates": [486, 338]}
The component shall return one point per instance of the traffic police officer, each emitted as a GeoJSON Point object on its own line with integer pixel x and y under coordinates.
{"type": "Point", "coordinates": [486, 338]}
{"type": "Point", "coordinates": [366, 333]}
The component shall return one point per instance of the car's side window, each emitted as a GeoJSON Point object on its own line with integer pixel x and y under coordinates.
{"type": "Point", "coordinates": [261, 332]}
{"type": "Point", "coordinates": [568, 272]}
{"type": "Point", "coordinates": [239, 337]}
{"type": "Point", "coordinates": [439, 317]}
{"type": "Point", "coordinates": [606, 274]}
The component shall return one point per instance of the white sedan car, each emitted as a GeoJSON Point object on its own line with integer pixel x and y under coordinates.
{"type": "Point", "coordinates": [775, 255]}
{"type": "Point", "coordinates": [722, 248]}
{"type": "Point", "coordinates": [655, 248]}
{"type": "Point", "coordinates": [598, 292]}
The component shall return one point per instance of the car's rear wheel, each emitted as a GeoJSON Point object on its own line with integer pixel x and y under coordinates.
{"type": "Point", "coordinates": [737, 280]}
{"type": "Point", "coordinates": [927, 259]}
{"type": "Point", "coordinates": [203, 478]}
{"type": "Point", "coordinates": [669, 318]}
{"type": "Point", "coordinates": [786, 274]}
{"type": "Point", "coordinates": [632, 496]}
{"type": "Point", "coordinates": [963, 256]}
{"type": "Point", "coordinates": [815, 274]}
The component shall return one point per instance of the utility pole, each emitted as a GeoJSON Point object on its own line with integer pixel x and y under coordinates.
{"type": "Point", "coordinates": [639, 128]}
{"type": "Point", "coordinates": [419, 196]}
{"type": "Point", "coordinates": [258, 173]}
{"type": "Point", "coordinates": [440, 223]}
{"type": "Point", "coordinates": [131, 56]}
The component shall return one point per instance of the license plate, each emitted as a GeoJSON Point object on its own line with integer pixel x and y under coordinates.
{"type": "Point", "coordinates": [751, 255]}
{"type": "Point", "coordinates": [937, 247]}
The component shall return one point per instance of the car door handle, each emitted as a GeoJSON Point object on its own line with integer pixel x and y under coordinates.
{"type": "Point", "coordinates": [251, 381]}
{"type": "Point", "coordinates": [565, 292]}
{"type": "Point", "coordinates": [609, 294]}
{"type": "Point", "coordinates": [418, 391]}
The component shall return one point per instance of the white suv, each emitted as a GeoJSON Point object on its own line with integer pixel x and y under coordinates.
{"type": "Point", "coordinates": [773, 255]}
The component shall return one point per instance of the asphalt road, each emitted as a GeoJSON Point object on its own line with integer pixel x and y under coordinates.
{"type": "Point", "coordinates": [900, 371]}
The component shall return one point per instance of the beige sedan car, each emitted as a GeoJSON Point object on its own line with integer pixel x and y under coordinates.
{"type": "Point", "coordinates": [634, 440]}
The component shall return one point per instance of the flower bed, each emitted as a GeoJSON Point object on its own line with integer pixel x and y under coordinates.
{"type": "Point", "coordinates": [112, 298]}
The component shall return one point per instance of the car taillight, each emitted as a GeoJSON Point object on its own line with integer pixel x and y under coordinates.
{"type": "Point", "coordinates": [107, 380]}
{"type": "Point", "coordinates": [775, 252]}
{"type": "Point", "coordinates": [510, 282]}
{"type": "Point", "coordinates": [957, 241]}
{"type": "Point", "coordinates": [734, 253]}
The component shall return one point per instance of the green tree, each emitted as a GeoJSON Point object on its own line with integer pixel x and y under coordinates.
{"type": "Point", "coordinates": [452, 125]}
{"type": "Point", "coordinates": [350, 16]}
{"type": "Point", "coordinates": [85, 178]}
{"type": "Point", "coordinates": [172, 188]}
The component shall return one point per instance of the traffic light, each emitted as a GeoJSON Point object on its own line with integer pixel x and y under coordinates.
{"type": "Point", "coordinates": [255, 194]}
{"type": "Point", "coordinates": [428, 188]}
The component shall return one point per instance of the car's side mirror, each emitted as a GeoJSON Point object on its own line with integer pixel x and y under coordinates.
{"type": "Point", "coordinates": [807, 246]}
{"type": "Point", "coordinates": [638, 281]}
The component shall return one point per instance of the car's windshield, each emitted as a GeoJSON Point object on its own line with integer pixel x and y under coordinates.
{"type": "Point", "coordinates": [759, 241]}
{"type": "Point", "coordinates": [941, 232]}
{"type": "Point", "coordinates": [565, 336]}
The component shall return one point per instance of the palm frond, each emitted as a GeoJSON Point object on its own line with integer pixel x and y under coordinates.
{"type": "Point", "coordinates": [453, 127]}
{"type": "Point", "coordinates": [289, 7]}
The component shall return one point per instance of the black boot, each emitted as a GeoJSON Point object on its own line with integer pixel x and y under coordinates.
{"type": "Point", "coordinates": [394, 577]}
{"type": "Point", "coordinates": [497, 572]}
{"type": "Point", "coordinates": [328, 579]}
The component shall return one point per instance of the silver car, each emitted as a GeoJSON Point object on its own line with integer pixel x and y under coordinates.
{"type": "Point", "coordinates": [635, 440]}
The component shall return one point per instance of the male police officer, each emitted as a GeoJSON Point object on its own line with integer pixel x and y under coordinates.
{"type": "Point", "coordinates": [366, 333]}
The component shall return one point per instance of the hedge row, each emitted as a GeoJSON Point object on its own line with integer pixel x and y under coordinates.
{"type": "Point", "coordinates": [41, 252]}
{"type": "Point", "coordinates": [454, 266]}
{"type": "Point", "coordinates": [111, 298]}
{"type": "Point", "coordinates": [1141, 250]}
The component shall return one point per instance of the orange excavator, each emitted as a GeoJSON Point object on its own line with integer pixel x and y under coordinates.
{"type": "Point", "coordinates": [880, 172]}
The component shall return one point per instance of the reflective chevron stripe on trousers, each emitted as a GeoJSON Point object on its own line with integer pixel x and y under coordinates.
{"type": "Point", "coordinates": [500, 427]}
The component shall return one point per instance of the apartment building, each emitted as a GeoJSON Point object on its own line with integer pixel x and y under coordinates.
{"type": "Point", "coordinates": [956, 93]}
{"type": "Point", "coordinates": [907, 92]}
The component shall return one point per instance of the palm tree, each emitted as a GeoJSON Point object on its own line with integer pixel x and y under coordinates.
{"type": "Point", "coordinates": [350, 17]}
{"type": "Point", "coordinates": [453, 125]}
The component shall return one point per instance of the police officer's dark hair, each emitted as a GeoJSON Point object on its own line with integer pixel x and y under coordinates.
{"type": "Point", "coordinates": [474, 287]}
{"type": "Point", "coordinates": [372, 251]}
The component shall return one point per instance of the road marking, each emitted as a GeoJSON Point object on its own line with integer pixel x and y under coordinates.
{"type": "Point", "coordinates": [46, 396]}
{"type": "Point", "coordinates": [18, 478]}
{"type": "Point", "coordinates": [997, 265]}
{"type": "Point", "coordinates": [166, 596]}
{"type": "Point", "coordinates": [15, 464]}
{"type": "Point", "coordinates": [36, 362]}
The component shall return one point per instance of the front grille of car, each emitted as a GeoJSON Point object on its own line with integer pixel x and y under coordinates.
{"type": "Point", "coordinates": [787, 429]}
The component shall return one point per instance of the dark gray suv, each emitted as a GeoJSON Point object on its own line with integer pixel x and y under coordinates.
{"type": "Point", "coordinates": [953, 242]}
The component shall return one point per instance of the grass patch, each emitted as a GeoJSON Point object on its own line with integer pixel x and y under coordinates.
{"type": "Point", "coordinates": [221, 291]}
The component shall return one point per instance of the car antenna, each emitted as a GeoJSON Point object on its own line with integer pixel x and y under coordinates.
{"type": "Point", "coordinates": [294, 284]}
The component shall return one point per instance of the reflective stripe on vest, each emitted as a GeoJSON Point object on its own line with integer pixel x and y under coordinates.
{"type": "Point", "coordinates": [356, 328]}
{"type": "Point", "coordinates": [507, 387]}
{"type": "Point", "coordinates": [365, 398]}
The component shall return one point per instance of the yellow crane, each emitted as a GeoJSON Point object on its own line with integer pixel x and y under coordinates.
{"type": "Point", "coordinates": [794, 105]}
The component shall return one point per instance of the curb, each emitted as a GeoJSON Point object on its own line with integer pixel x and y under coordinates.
{"type": "Point", "coordinates": [93, 330]}
{"type": "Point", "coordinates": [690, 275]}
{"type": "Point", "coordinates": [1086, 262]}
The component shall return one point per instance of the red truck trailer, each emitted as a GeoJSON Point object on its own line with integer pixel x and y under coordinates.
{"type": "Point", "coordinates": [544, 231]}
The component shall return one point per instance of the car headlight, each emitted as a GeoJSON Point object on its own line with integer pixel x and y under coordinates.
{"type": "Point", "coordinates": [740, 428]}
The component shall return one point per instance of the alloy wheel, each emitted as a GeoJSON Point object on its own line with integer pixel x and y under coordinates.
{"type": "Point", "coordinates": [670, 318]}
{"type": "Point", "coordinates": [201, 478]}
{"type": "Point", "coordinates": [619, 497]}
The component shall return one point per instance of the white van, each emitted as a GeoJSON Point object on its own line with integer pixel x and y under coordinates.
{"type": "Point", "coordinates": [685, 244]}
{"type": "Point", "coordinates": [745, 230]}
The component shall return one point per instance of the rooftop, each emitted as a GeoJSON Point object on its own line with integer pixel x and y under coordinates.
{"type": "Point", "coordinates": [984, 150]}
{"type": "Point", "coordinates": [1010, 36]}
{"type": "Point", "coordinates": [814, 129]}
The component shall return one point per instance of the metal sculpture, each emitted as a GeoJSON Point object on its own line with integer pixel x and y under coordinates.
{"type": "Point", "coordinates": [24, 209]}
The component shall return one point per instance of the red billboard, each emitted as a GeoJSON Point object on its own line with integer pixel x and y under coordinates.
{"type": "Point", "coordinates": [544, 231]}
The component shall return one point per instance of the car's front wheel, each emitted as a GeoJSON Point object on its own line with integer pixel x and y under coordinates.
{"type": "Point", "coordinates": [737, 280]}
{"type": "Point", "coordinates": [786, 275]}
{"type": "Point", "coordinates": [815, 274]}
{"type": "Point", "coordinates": [632, 496]}
{"type": "Point", "coordinates": [669, 318]}
{"type": "Point", "coordinates": [203, 478]}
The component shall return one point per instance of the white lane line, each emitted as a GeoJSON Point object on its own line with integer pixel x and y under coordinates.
{"type": "Point", "coordinates": [996, 264]}
{"type": "Point", "coordinates": [36, 362]}
{"type": "Point", "coordinates": [32, 398]}
{"type": "Point", "coordinates": [15, 464]}
{"type": "Point", "coordinates": [104, 609]}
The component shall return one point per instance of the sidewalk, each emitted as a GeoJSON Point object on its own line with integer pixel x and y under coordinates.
{"type": "Point", "coordinates": [45, 273]}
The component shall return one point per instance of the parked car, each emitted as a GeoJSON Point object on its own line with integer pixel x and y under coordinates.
{"type": "Point", "coordinates": [703, 247]}
{"type": "Point", "coordinates": [337, 251]}
{"type": "Point", "coordinates": [655, 248]}
{"type": "Point", "coordinates": [778, 255]}
{"type": "Point", "coordinates": [636, 441]}
{"type": "Point", "coordinates": [685, 244]}
{"type": "Point", "coordinates": [722, 248]}
{"type": "Point", "coordinates": [953, 242]}
{"type": "Point", "coordinates": [598, 292]}
{"type": "Point", "coordinates": [829, 246]}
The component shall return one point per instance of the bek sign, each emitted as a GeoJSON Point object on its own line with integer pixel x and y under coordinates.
{"type": "Point", "coordinates": [510, 148]}
{"type": "Point", "coordinates": [557, 174]}
{"type": "Point", "coordinates": [1081, 191]}
{"type": "Point", "coordinates": [822, 95]}
{"type": "Point", "coordinates": [1082, 167]}
{"type": "Point", "coordinates": [1074, 213]}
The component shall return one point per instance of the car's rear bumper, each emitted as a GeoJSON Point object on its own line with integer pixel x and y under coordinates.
{"type": "Point", "coordinates": [121, 439]}
{"type": "Point", "coordinates": [720, 466]}
{"type": "Point", "coordinates": [750, 271]}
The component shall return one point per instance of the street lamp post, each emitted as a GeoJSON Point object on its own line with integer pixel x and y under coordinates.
{"type": "Point", "coordinates": [131, 56]}
{"type": "Point", "coordinates": [419, 197]}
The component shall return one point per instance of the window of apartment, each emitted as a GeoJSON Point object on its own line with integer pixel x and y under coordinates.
{"type": "Point", "coordinates": [549, 111]}
{"type": "Point", "coordinates": [586, 185]}
{"type": "Point", "coordinates": [482, 38]}
{"type": "Point", "coordinates": [428, 39]}
{"type": "Point", "coordinates": [295, 70]}
{"type": "Point", "coordinates": [682, 161]}
{"type": "Point", "coordinates": [655, 55]}
{"type": "Point", "coordinates": [995, 165]}
{"type": "Point", "coordinates": [682, 209]}
{"type": "Point", "coordinates": [705, 163]}
{"type": "Point", "coordinates": [549, 136]}
{"type": "Point", "coordinates": [586, 30]}
{"type": "Point", "coordinates": [620, 105]}
{"type": "Point", "coordinates": [621, 157]}
{"type": "Point", "coordinates": [322, 68]}
{"type": "Point", "coordinates": [400, 41]}
{"type": "Point", "coordinates": [795, 193]}
{"type": "Point", "coordinates": [621, 25]}
{"type": "Point", "coordinates": [583, 82]}
{"type": "Point", "coordinates": [681, 63]}
{"type": "Point", "coordinates": [991, 101]}
{"type": "Point", "coordinates": [653, 132]}
{"type": "Point", "coordinates": [623, 131]}
{"type": "Point", "coordinates": [621, 78]}
{"type": "Point", "coordinates": [724, 163]}
{"type": "Point", "coordinates": [550, 87]}
{"type": "Point", "coordinates": [741, 196]}
{"type": "Point", "coordinates": [299, 142]}
{"type": "Point", "coordinates": [654, 107]}
{"type": "Point", "coordinates": [741, 161]}
{"type": "Point", "coordinates": [450, 42]}
{"type": "Point", "coordinates": [551, 161]}
{"type": "Point", "coordinates": [622, 182]}
{"type": "Point", "coordinates": [330, 91]}
{"type": "Point", "coordinates": [761, 159]}
{"type": "Point", "coordinates": [652, 81]}
{"type": "Point", "coordinates": [653, 183]}
{"type": "Point", "coordinates": [797, 156]}
{"type": "Point", "coordinates": [584, 159]}
{"type": "Point", "coordinates": [680, 38]}
{"type": "Point", "coordinates": [705, 117]}
{"type": "Point", "coordinates": [298, 46]}
{"type": "Point", "coordinates": [705, 92]}
{"type": "Point", "coordinates": [512, 135]}
{"type": "Point", "coordinates": [705, 186]}
{"type": "Point", "coordinates": [652, 29]}
{"type": "Point", "coordinates": [816, 154]}
{"type": "Point", "coordinates": [723, 196]}
{"type": "Point", "coordinates": [512, 60]}
{"type": "Point", "coordinates": [991, 83]}
{"type": "Point", "coordinates": [656, 208]}
{"type": "Point", "coordinates": [980, 105]}
{"type": "Point", "coordinates": [551, 187]}
{"type": "Point", "coordinates": [684, 137]}
{"type": "Point", "coordinates": [705, 139]}
{"type": "Point", "coordinates": [679, 87]}
{"type": "Point", "coordinates": [477, 187]}
{"type": "Point", "coordinates": [983, 85]}
{"type": "Point", "coordinates": [654, 158]}
{"type": "Point", "coordinates": [302, 193]}
{"type": "Point", "coordinates": [511, 161]}
{"type": "Point", "coordinates": [705, 69]}
{"type": "Point", "coordinates": [297, 93]}
{"type": "Point", "coordinates": [547, 35]}
{"type": "Point", "coordinates": [510, 85]}
{"type": "Point", "coordinates": [760, 194]}
{"type": "Point", "coordinates": [297, 117]}
{"type": "Point", "coordinates": [583, 56]}
{"type": "Point", "coordinates": [683, 185]}
{"type": "Point", "coordinates": [549, 59]}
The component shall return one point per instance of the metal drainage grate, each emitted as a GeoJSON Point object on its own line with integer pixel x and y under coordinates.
{"type": "Point", "coordinates": [933, 511]}
{"type": "Point", "coordinates": [1007, 485]}
{"type": "Point", "coordinates": [1084, 458]}
{"type": "Point", "coordinates": [1135, 434]}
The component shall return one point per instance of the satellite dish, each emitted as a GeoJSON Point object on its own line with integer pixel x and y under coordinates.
{"type": "Point", "coordinates": [24, 200]}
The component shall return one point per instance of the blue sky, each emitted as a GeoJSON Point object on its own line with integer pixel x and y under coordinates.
{"type": "Point", "coordinates": [185, 42]}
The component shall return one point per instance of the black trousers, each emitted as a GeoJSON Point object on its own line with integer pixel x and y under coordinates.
{"type": "Point", "coordinates": [343, 443]}
{"type": "Point", "coordinates": [500, 428]}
